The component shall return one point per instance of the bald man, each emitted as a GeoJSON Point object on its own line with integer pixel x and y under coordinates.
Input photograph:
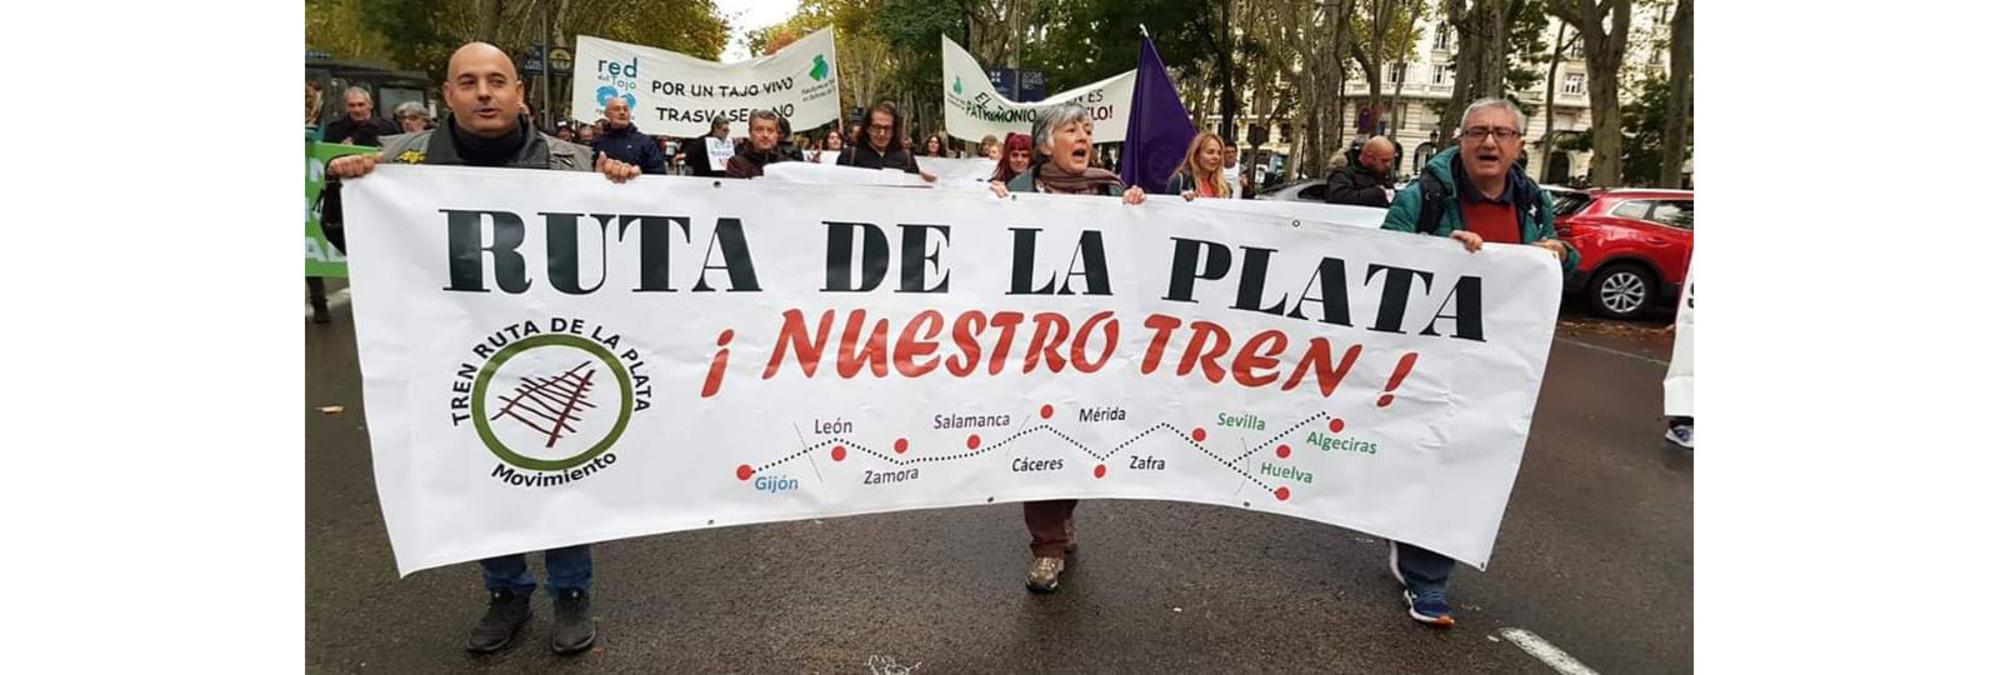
{"type": "Point", "coordinates": [487, 128]}
{"type": "Point", "coordinates": [1368, 179]}
{"type": "Point", "coordinates": [623, 141]}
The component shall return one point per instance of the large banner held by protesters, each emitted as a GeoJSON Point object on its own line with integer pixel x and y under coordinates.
{"type": "Point", "coordinates": [679, 95]}
{"type": "Point", "coordinates": [551, 359]}
{"type": "Point", "coordinates": [973, 110]}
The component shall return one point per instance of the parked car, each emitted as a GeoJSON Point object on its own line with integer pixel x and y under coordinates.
{"type": "Point", "coordinates": [1310, 190]}
{"type": "Point", "coordinates": [1634, 245]}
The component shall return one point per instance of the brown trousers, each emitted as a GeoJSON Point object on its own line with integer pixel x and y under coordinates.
{"type": "Point", "coordinates": [1047, 521]}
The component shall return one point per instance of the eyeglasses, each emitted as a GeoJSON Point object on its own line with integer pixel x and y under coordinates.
{"type": "Point", "coordinates": [877, 127]}
{"type": "Point", "coordinates": [1498, 133]}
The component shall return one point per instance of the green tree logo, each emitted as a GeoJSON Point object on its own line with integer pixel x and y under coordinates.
{"type": "Point", "coordinates": [819, 69]}
{"type": "Point", "coordinates": [957, 86]}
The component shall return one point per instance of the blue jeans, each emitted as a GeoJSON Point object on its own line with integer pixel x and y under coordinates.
{"type": "Point", "coordinates": [1423, 570]}
{"type": "Point", "coordinates": [569, 569]}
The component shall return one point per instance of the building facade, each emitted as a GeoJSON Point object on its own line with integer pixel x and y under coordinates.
{"type": "Point", "coordinates": [1409, 112]}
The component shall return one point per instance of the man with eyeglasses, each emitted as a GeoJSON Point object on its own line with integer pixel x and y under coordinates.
{"type": "Point", "coordinates": [881, 146]}
{"type": "Point", "coordinates": [1475, 194]}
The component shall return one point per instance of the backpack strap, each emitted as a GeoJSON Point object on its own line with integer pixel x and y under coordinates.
{"type": "Point", "coordinates": [1430, 213]}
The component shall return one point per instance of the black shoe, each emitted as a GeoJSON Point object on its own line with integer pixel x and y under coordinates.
{"type": "Point", "coordinates": [321, 315]}
{"type": "Point", "coordinates": [506, 612]}
{"type": "Point", "coordinates": [574, 629]}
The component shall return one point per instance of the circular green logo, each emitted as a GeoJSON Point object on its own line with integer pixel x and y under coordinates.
{"type": "Point", "coordinates": [550, 403]}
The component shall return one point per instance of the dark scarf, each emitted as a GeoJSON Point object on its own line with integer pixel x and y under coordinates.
{"type": "Point", "coordinates": [1092, 181]}
{"type": "Point", "coordinates": [478, 151]}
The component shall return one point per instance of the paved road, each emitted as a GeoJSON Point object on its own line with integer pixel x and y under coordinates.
{"type": "Point", "coordinates": [1596, 557]}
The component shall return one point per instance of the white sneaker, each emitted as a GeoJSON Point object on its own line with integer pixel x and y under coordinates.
{"type": "Point", "coordinates": [1681, 435]}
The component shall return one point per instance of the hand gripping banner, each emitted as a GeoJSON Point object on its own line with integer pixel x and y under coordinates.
{"type": "Point", "coordinates": [549, 358]}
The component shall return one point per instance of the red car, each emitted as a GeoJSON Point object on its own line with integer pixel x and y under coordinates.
{"type": "Point", "coordinates": [1634, 245]}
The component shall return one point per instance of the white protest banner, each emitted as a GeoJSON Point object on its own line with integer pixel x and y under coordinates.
{"type": "Point", "coordinates": [973, 110]}
{"type": "Point", "coordinates": [1679, 384]}
{"type": "Point", "coordinates": [679, 95]}
{"type": "Point", "coordinates": [971, 173]}
{"type": "Point", "coordinates": [549, 358]}
{"type": "Point", "coordinates": [719, 152]}
{"type": "Point", "coordinates": [818, 173]}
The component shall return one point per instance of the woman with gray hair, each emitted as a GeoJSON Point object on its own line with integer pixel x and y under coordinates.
{"type": "Point", "coordinates": [1062, 140]}
{"type": "Point", "coordinates": [412, 117]}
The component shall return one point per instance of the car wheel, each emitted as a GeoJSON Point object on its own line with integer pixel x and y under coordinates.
{"type": "Point", "coordinates": [1621, 291]}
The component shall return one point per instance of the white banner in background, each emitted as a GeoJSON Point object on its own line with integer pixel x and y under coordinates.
{"type": "Point", "coordinates": [1679, 385]}
{"type": "Point", "coordinates": [972, 173]}
{"type": "Point", "coordinates": [549, 359]}
{"type": "Point", "coordinates": [678, 95]}
{"type": "Point", "coordinates": [973, 110]}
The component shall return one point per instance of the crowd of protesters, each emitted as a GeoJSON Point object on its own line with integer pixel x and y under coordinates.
{"type": "Point", "coordinates": [1473, 193]}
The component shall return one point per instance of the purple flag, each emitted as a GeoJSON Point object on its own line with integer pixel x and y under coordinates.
{"type": "Point", "coordinates": [1158, 132]}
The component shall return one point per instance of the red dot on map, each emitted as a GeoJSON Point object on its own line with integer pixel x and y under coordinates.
{"type": "Point", "coordinates": [1284, 451]}
{"type": "Point", "coordinates": [972, 442]}
{"type": "Point", "coordinates": [743, 472]}
{"type": "Point", "coordinates": [1384, 401]}
{"type": "Point", "coordinates": [727, 335]}
{"type": "Point", "coordinates": [1048, 411]}
{"type": "Point", "coordinates": [839, 453]}
{"type": "Point", "coordinates": [902, 445]}
{"type": "Point", "coordinates": [1099, 471]}
{"type": "Point", "coordinates": [1336, 425]}
{"type": "Point", "coordinates": [1200, 434]}
{"type": "Point", "coordinates": [1284, 493]}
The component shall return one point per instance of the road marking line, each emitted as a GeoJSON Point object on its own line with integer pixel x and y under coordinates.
{"type": "Point", "coordinates": [334, 299]}
{"type": "Point", "coordinates": [1609, 350]}
{"type": "Point", "coordinates": [1549, 654]}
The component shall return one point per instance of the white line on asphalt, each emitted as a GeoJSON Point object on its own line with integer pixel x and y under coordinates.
{"type": "Point", "coordinates": [1537, 647]}
{"type": "Point", "coordinates": [1620, 352]}
{"type": "Point", "coordinates": [334, 299]}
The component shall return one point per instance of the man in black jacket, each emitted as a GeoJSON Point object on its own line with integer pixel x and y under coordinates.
{"type": "Point", "coordinates": [1368, 180]}
{"type": "Point", "coordinates": [360, 126]}
{"type": "Point", "coordinates": [623, 142]}
{"type": "Point", "coordinates": [881, 147]}
{"type": "Point", "coordinates": [487, 128]}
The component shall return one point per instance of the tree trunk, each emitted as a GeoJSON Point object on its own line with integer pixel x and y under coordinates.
{"type": "Point", "coordinates": [1680, 99]}
{"type": "Point", "coordinates": [489, 21]}
{"type": "Point", "coordinates": [1226, 64]}
{"type": "Point", "coordinates": [1481, 58]}
{"type": "Point", "coordinates": [1549, 98]}
{"type": "Point", "coordinates": [1604, 53]}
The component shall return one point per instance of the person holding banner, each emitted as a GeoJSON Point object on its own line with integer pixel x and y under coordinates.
{"type": "Point", "coordinates": [623, 142]}
{"type": "Point", "coordinates": [989, 147]}
{"type": "Point", "coordinates": [1063, 134]}
{"type": "Point", "coordinates": [1475, 194]}
{"type": "Point", "coordinates": [707, 156]}
{"type": "Point", "coordinates": [1201, 173]}
{"type": "Point", "coordinates": [486, 128]}
{"type": "Point", "coordinates": [765, 129]}
{"type": "Point", "coordinates": [1019, 153]}
{"type": "Point", "coordinates": [884, 148]}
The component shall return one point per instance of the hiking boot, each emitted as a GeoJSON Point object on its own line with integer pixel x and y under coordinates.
{"type": "Point", "coordinates": [574, 629]}
{"type": "Point", "coordinates": [1429, 608]}
{"type": "Point", "coordinates": [506, 612]}
{"type": "Point", "coordinates": [1042, 576]}
{"type": "Point", "coordinates": [1069, 532]}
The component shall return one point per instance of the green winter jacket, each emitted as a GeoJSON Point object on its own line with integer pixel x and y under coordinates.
{"type": "Point", "coordinates": [1537, 220]}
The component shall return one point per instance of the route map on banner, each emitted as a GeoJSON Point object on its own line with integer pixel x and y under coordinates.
{"type": "Point", "coordinates": [973, 109]}
{"type": "Point", "coordinates": [679, 95]}
{"type": "Point", "coordinates": [549, 358]}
